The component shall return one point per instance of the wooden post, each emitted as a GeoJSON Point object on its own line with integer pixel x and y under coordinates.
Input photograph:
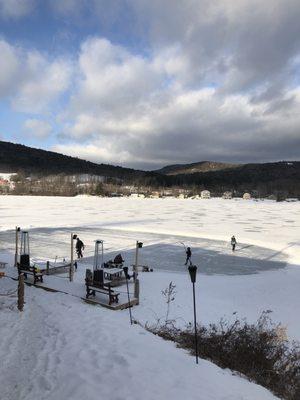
{"type": "Point", "coordinates": [71, 272]}
{"type": "Point", "coordinates": [47, 267]}
{"type": "Point", "coordinates": [17, 245]}
{"type": "Point", "coordinates": [21, 292]}
{"type": "Point", "coordinates": [136, 260]}
{"type": "Point", "coordinates": [137, 290]}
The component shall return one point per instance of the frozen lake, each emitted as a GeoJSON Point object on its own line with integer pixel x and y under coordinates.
{"type": "Point", "coordinates": [268, 233]}
{"type": "Point", "coordinates": [160, 251]}
{"type": "Point", "coordinates": [262, 275]}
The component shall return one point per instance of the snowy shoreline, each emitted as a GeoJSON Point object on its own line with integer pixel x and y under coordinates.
{"type": "Point", "coordinates": [65, 334]}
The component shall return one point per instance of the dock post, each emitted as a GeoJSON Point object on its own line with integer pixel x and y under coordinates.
{"type": "Point", "coordinates": [17, 245]}
{"type": "Point", "coordinates": [21, 292]}
{"type": "Point", "coordinates": [136, 261]}
{"type": "Point", "coordinates": [137, 290]}
{"type": "Point", "coordinates": [72, 257]}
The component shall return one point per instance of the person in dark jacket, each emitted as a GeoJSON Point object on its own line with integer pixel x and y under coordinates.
{"type": "Point", "coordinates": [118, 259]}
{"type": "Point", "coordinates": [233, 243]}
{"type": "Point", "coordinates": [188, 253]}
{"type": "Point", "coordinates": [79, 248]}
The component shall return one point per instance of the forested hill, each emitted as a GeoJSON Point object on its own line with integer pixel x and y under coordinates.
{"type": "Point", "coordinates": [267, 178]}
{"type": "Point", "coordinates": [202, 166]}
{"type": "Point", "coordinates": [264, 178]}
{"type": "Point", "coordinates": [28, 160]}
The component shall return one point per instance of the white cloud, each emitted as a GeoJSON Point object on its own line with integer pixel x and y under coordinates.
{"type": "Point", "coordinates": [37, 128]}
{"type": "Point", "coordinates": [215, 80]}
{"type": "Point", "coordinates": [9, 68]}
{"type": "Point", "coordinates": [16, 8]}
{"type": "Point", "coordinates": [143, 111]}
{"type": "Point", "coordinates": [112, 78]}
{"type": "Point", "coordinates": [94, 152]}
{"type": "Point", "coordinates": [43, 81]}
{"type": "Point", "coordinates": [31, 80]}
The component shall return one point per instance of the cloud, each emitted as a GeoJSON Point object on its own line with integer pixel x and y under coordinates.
{"type": "Point", "coordinates": [9, 68]}
{"type": "Point", "coordinates": [31, 80]}
{"type": "Point", "coordinates": [93, 152]}
{"type": "Point", "coordinates": [16, 8]}
{"type": "Point", "coordinates": [112, 78]}
{"type": "Point", "coordinates": [213, 80]}
{"type": "Point", "coordinates": [37, 128]}
{"type": "Point", "coordinates": [247, 46]}
{"type": "Point", "coordinates": [43, 82]}
{"type": "Point", "coordinates": [141, 111]}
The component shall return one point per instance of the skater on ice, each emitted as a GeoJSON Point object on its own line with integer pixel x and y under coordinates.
{"type": "Point", "coordinates": [233, 243]}
{"type": "Point", "coordinates": [79, 248]}
{"type": "Point", "coordinates": [188, 256]}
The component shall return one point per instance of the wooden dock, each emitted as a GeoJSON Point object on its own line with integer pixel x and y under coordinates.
{"type": "Point", "coordinates": [114, 306]}
{"type": "Point", "coordinates": [94, 301]}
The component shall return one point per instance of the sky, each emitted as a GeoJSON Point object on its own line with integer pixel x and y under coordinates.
{"type": "Point", "coordinates": [144, 84]}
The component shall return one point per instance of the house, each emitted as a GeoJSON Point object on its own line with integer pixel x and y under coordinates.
{"type": "Point", "coordinates": [246, 196]}
{"type": "Point", "coordinates": [3, 182]}
{"type": "Point", "coordinates": [168, 193]}
{"type": "Point", "coordinates": [205, 194]}
{"type": "Point", "coordinates": [137, 195]}
{"type": "Point", "coordinates": [155, 195]}
{"type": "Point", "coordinates": [227, 195]}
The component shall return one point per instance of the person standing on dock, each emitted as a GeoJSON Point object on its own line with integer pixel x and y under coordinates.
{"type": "Point", "coordinates": [79, 248]}
{"type": "Point", "coordinates": [233, 243]}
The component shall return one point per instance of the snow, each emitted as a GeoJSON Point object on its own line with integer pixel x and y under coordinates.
{"type": "Point", "coordinates": [62, 348]}
{"type": "Point", "coordinates": [7, 176]}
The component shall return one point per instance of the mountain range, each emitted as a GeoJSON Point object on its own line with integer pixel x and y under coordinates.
{"type": "Point", "coordinates": [265, 178]}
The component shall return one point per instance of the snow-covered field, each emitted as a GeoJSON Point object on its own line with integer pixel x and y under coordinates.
{"type": "Point", "coordinates": [63, 348]}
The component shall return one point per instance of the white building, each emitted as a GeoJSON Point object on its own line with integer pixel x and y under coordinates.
{"type": "Point", "coordinates": [205, 194]}
{"type": "Point", "coordinates": [227, 195]}
{"type": "Point", "coordinates": [137, 195]}
{"type": "Point", "coordinates": [247, 196]}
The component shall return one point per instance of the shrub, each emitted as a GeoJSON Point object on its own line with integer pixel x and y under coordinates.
{"type": "Point", "coordinates": [259, 351]}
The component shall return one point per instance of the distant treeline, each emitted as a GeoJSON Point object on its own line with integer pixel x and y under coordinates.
{"type": "Point", "coordinates": [22, 159]}
{"type": "Point", "coordinates": [263, 179]}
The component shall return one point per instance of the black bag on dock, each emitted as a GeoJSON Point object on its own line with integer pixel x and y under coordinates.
{"type": "Point", "coordinates": [98, 276]}
{"type": "Point", "coordinates": [24, 261]}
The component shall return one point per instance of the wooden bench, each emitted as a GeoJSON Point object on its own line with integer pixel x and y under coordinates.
{"type": "Point", "coordinates": [105, 288]}
{"type": "Point", "coordinates": [37, 276]}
